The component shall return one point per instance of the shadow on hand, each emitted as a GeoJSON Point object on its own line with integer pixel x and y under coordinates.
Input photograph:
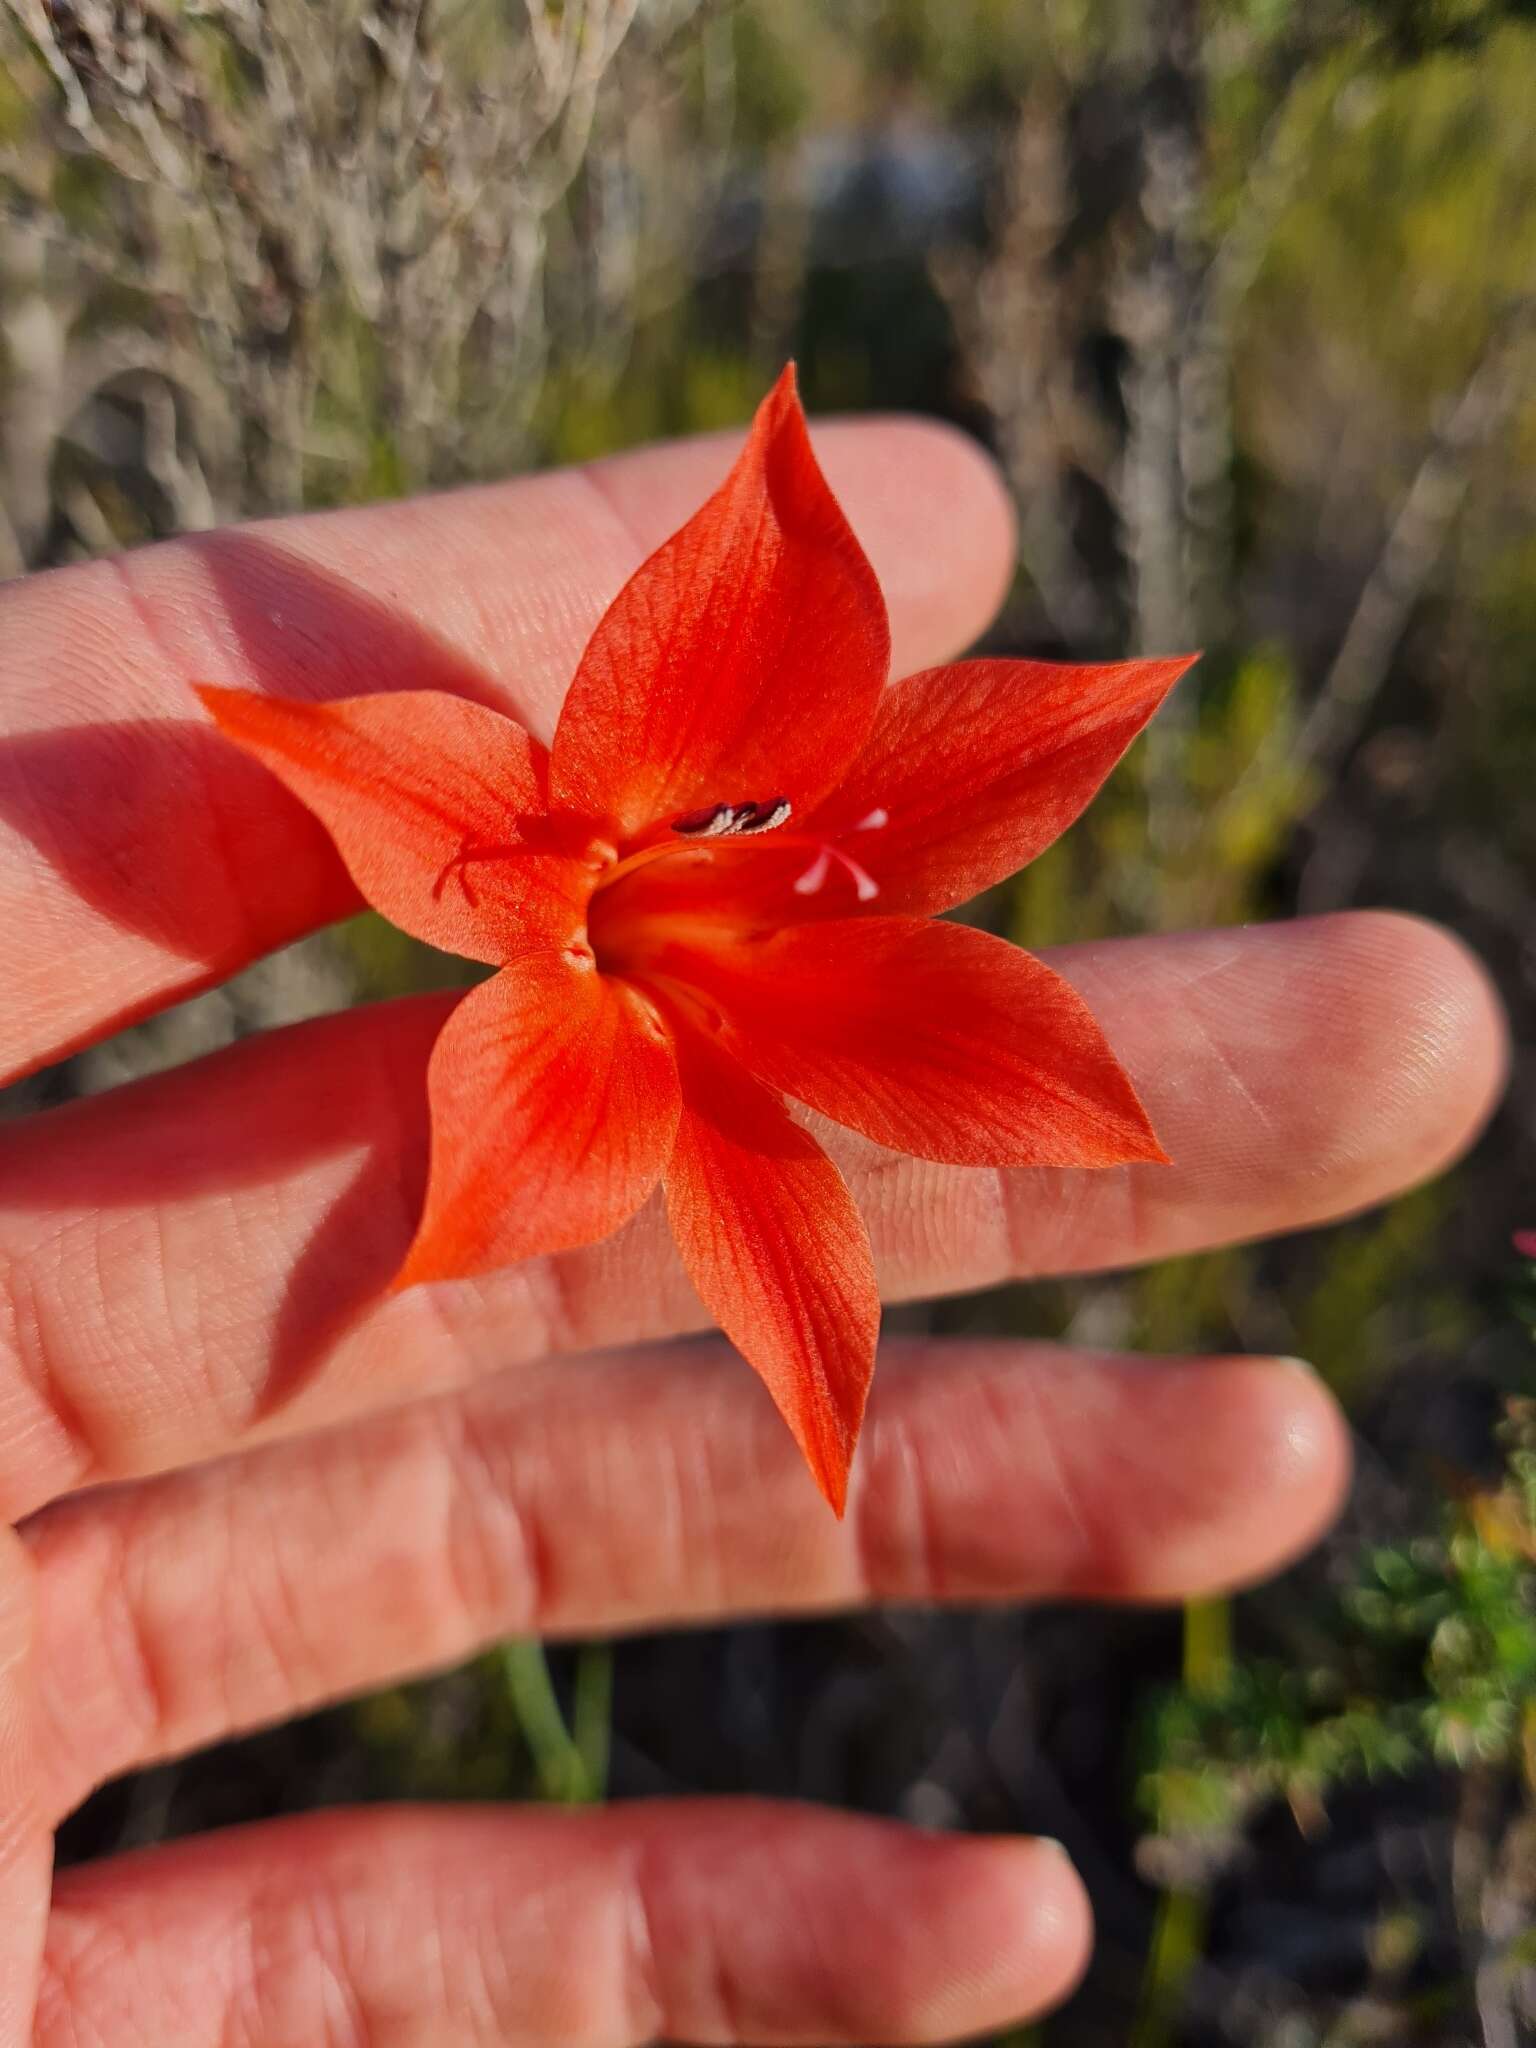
{"type": "Point", "coordinates": [168, 830]}
{"type": "Point", "coordinates": [289, 1102]}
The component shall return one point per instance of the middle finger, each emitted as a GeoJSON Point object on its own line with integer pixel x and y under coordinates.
{"type": "Point", "coordinates": [196, 1260]}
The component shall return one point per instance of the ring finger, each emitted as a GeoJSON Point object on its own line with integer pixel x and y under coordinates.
{"type": "Point", "coordinates": [613, 1494]}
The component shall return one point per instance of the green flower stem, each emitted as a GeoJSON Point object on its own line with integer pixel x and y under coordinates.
{"type": "Point", "coordinates": [1178, 1931]}
{"type": "Point", "coordinates": [570, 1763]}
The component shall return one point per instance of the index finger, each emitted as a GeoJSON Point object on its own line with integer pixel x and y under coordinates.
{"type": "Point", "coordinates": [142, 858]}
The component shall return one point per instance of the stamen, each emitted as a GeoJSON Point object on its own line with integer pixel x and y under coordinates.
{"type": "Point", "coordinates": [763, 817]}
{"type": "Point", "coordinates": [866, 885]}
{"type": "Point", "coordinates": [811, 882]}
{"type": "Point", "coordinates": [706, 824]}
{"type": "Point", "coordinates": [816, 874]}
{"type": "Point", "coordinates": [720, 821]}
{"type": "Point", "coordinates": [738, 820]}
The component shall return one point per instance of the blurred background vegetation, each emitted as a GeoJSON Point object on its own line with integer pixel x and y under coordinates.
{"type": "Point", "coordinates": [1243, 296]}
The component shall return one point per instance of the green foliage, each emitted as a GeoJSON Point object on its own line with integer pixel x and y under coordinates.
{"type": "Point", "coordinates": [1412, 29]}
{"type": "Point", "coordinates": [671, 388]}
{"type": "Point", "coordinates": [1413, 280]}
{"type": "Point", "coordinates": [15, 105]}
{"type": "Point", "coordinates": [1349, 1322]}
{"type": "Point", "coordinates": [774, 90]}
{"type": "Point", "coordinates": [1427, 1657]}
{"type": "Point", "coordinates": [386, 962]}
{"type": "Point", "coordinates": [1224, 811]}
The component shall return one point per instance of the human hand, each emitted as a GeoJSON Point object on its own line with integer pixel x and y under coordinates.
{"type": "Point", "coordinates": [317, 1491]}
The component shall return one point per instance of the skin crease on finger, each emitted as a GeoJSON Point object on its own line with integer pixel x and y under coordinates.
{"type": "Point", "coordinates": [167, 1305]}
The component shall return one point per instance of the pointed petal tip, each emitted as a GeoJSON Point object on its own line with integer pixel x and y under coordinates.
{"type": "Point", "coordinates": [1165, 669]}
{"type": "Point", "coordinates": [1142, 1146]}
{"type": "Point", "coordinates": [425, 1266]}
{"type": "Point", "coordinates": [410, 1272]}
{"type": "Point", "coordinates": [214, 698]}
{"type": "Point", "coordinates": [429, 1257]}
{"type": "Point", "coordinates": [1147, 1146]}
{"type": "Point", "coordinates": [781, 408]}
{"type": "Point", "coordinates": [787, 383]}
{"type": "Point", "coordinates": [830, 1465]}
{"type": "Point", "coordinates": [245, 716]}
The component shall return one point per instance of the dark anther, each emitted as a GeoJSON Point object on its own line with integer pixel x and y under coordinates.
{"type": "Point", "coordinates": [720, 821]}
{"type": "Point", "coordinates": [706, 824]}
{"type": "Point", "coordinates": [762, 817]}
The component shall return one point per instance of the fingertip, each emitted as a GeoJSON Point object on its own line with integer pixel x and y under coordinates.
{"type": "Point", "coordinates": [1265, 1472]}
{"type": "Point", "coordinates": [1041, 1919]}
{"type": "Point", "coordinates": [1297, 1072]}
{"type": "Point", "coordinates": [967, 1934]}
{"type": "Point", "coordinates": [1441, 1025]}
{"type": "Point", "coordinates": [931, 510]}
{"type": "Point", "coordinates": [1302, 1455]}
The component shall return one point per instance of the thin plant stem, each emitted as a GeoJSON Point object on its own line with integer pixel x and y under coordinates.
{"type": "Point", "coordinates": [592, 1716]}
{"type": "Point", "coordinates": [570, 1764]}
{"type": "Point", "coordinates": [1179, 1928]}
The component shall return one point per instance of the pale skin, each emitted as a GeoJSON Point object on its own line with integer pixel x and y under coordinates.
{"type": "Point", "coordinates": [313, 1495]}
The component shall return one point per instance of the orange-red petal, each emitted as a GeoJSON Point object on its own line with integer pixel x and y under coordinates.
{"type": "Point", "coordinates": [977, 768]}
{"type": "Point", "coordinates": [779, 1254]}
{"type": "Point", "coordinates": [932, 1038]}
{"type": "Point", "coordinates": [554, 1100]}
{"type": "Point", "coordinates": [428, 798]}
{"type": "Point", "coordinates": [742, 662]}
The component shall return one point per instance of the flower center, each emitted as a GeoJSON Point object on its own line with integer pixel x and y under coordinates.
{"type": "Point", "coordinates": [692, 842]}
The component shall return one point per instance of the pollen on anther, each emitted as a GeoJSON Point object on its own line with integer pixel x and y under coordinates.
{"type": "Point", "coordinates": [763, 817]}
{"type": "Point", "coordinates": [712, 822]}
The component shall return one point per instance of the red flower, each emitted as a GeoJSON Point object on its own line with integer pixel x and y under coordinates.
{"type": "Point", "coordinates": [714, 890]}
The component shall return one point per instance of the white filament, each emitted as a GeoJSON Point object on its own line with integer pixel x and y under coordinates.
{"type": "Point", "coordinates": [816, 874]}
{"type": "Point", "coordinates": [814, 878]}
